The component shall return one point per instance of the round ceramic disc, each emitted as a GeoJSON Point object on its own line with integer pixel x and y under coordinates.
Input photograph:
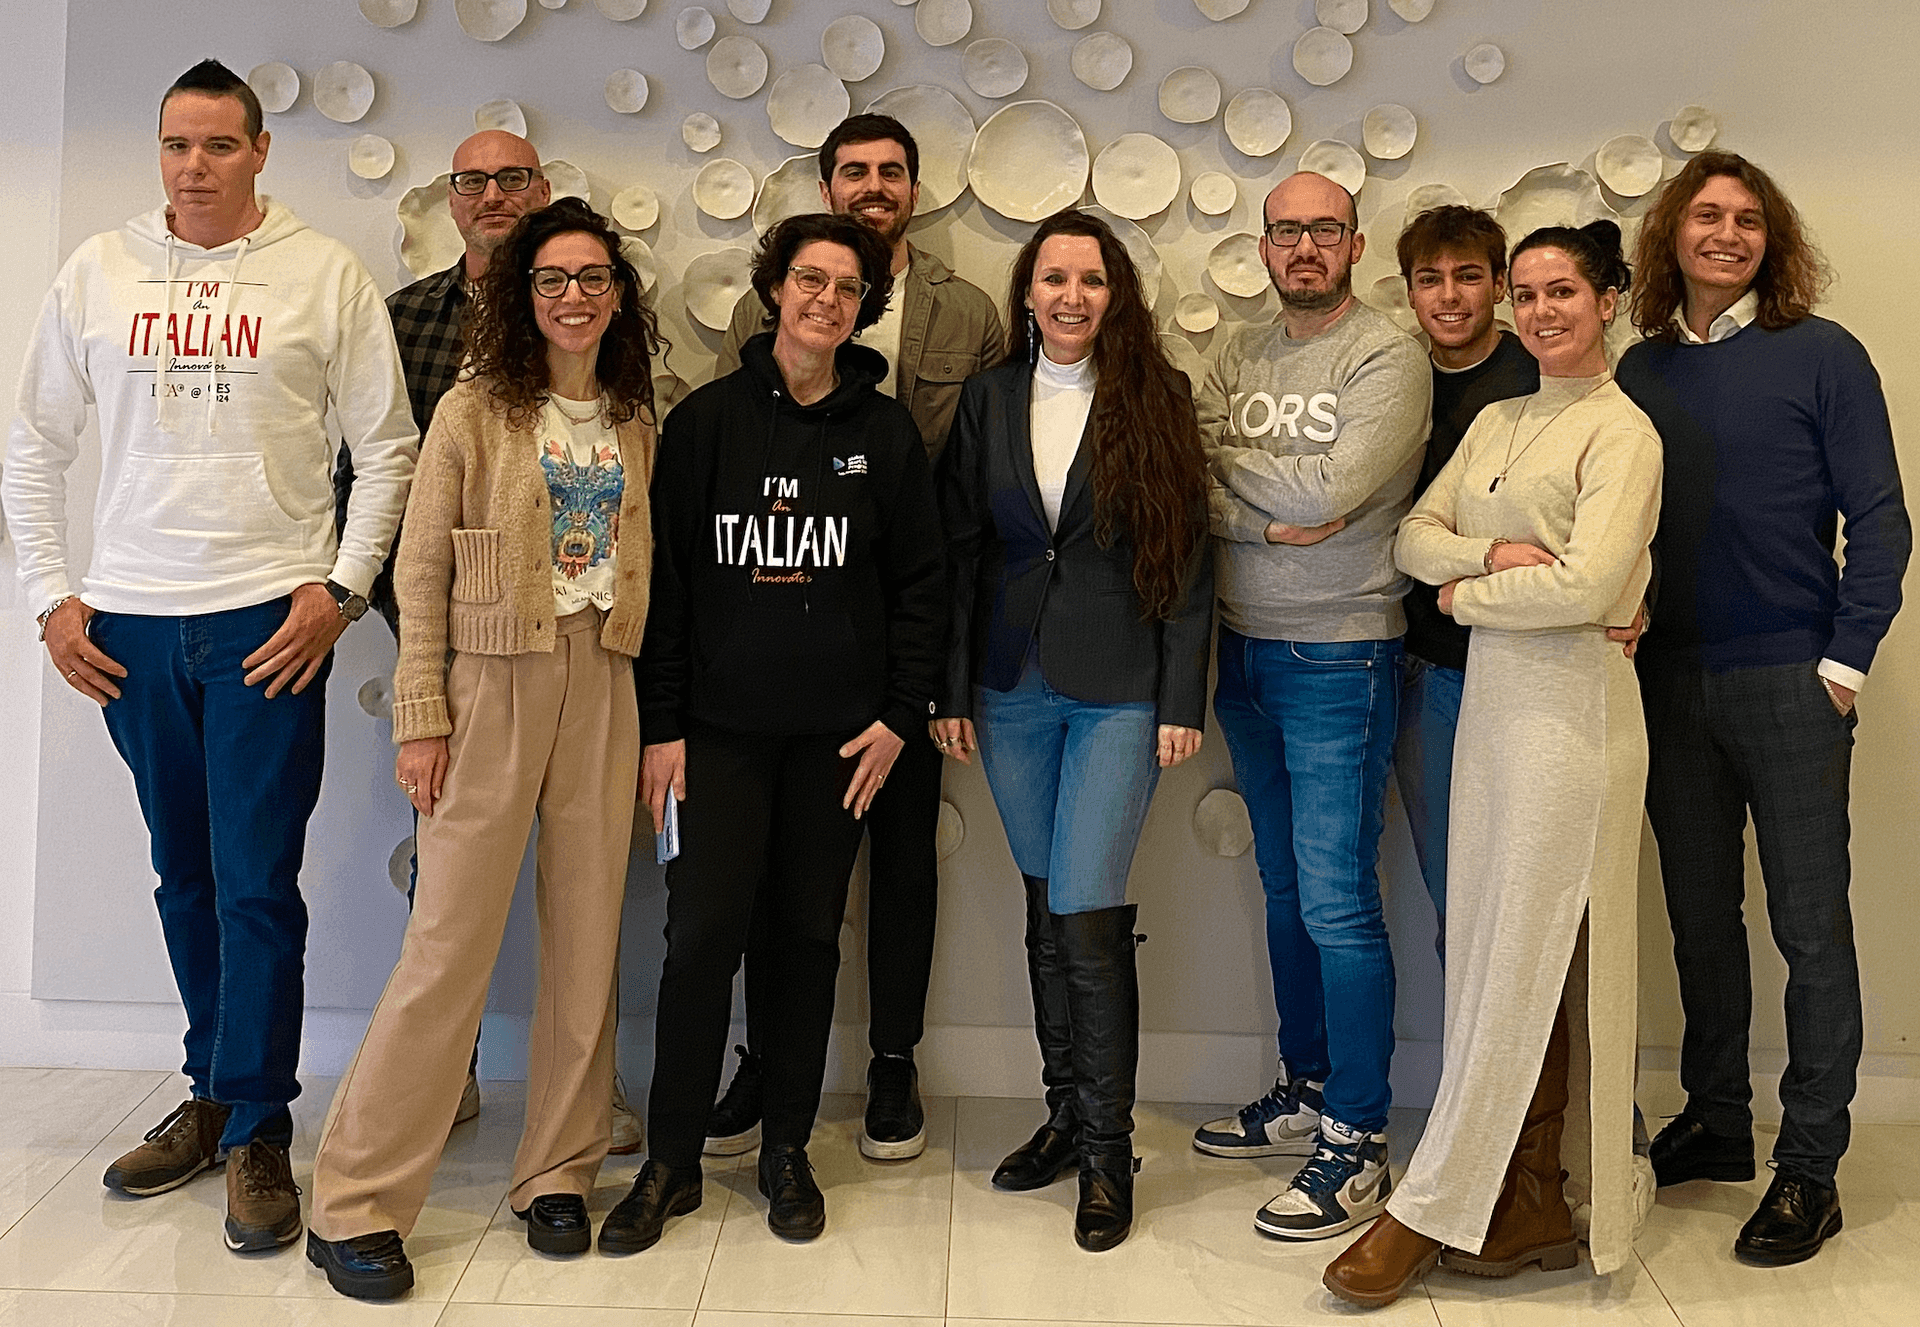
{"type": "Point", "coordinates": [638, 252]}
{"type": "Point", "coordinates": [501, 114]}
{"type": "Point", "coordinates": [1235, 266]}
{"type": "Point", "coordinates": [669, 389]}
{"type": "Point", "coordinates": [1258, 121]}
{"type": "Point", "coordinates": [943, 22]}
{"type": "Point", "coordinates": [1390, 297]}
{"type": "Point", "coordinates": [951, 831]}
{"type": "Point", "coordinates": [627, 90]}
{"type": "Point", "coordinates": [1693, 128]}
{"type": "Point", "coordinates": [805, 103]}
{"type": "Point", "coordinates": [1322, 56]}
{"type": "Point", "coordinates": [343, 91]}
{"type": "Point", "coordinates": [1190, 95]}
{"type": "Point", "coordinates": [723, 189]}
{"type": "Point", "coordinates": [1556, 195]}
{"type": "Point", "coordinates": [1389, 131]}
{"type": "Point", "coordinates": [736, 66]}
{"type": "Point", "coordinates": [700, 131]}
{"type": "Point", "coordinates": [1102, 60]}
{"type": "Point", "coordinates": [792, 189]}
{"type": "Point", "coordinates": [1196, 312]}
{"type": "Point", "coordinates": [370, 156]}
{"type": "Point", "coordinates": [387, 14]}
{"type": "Point", "coordinates": [400, 865]}
{"type": "Point", "coordinates": [1222, 824]}
{"type": "Point", "coordinates": [1411, 10]}
{"type": "Point", "coordinates": [1221, 9]}
{"type": "Point", "coordinates": [489, 20]}
{"type": "Point", "coordinates": [429, 241]}
{"type": "Point", "coordinates": [376, 696]}
{"type": "Point", "coordinates": [994, 67]}
{"type": "Point", "coordinates": [1029, 161]}
{"type": "Point", "coordinates": [1338, 162]}
{"type": "Point", "coordinates": [1213, 193]}
{"type": "Point", "coordinates": [621, 10]}
{"type": "Point", "coordinates": [749, 11]}
{"type": "Point", "coordinates": [1073, 14]}
{"type": "Point", "coordinates": [635, 207]}
{"type": "Point", "coordinates": [714, 283]}
{"type": "Point", "coordinates": [853, 47]}
{"type": "Point", "coordinates": [1629, 164]}
{"type": "Point", "coordinates": [566, 180]}
{"type": "Point", "coordinates": [553, 4]}
{"type": "Point", "coordinates": [693, 28]}
{"type": "Point", "coordinates": [944, 130]}
{"type": "Point", "coordinates": [1429, 196]}
{"type": "Point", "coordinates": [1140, 247]}
{"type": "Point", "coordinates": [1343, 16]}
{"type": "Point", "coordinates": [1136, 175]}
{"type": "Point", "coordinates": [276, 84]}
{"type": "Point", "coordinates": [1485, 62]}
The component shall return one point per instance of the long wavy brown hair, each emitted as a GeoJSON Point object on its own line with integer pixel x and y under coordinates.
{"type": "Point", "coordinates": [505, 346]}
{"type": "Point", "coordinates": [1149, 473]}
{"type": "Point", "coordinates": [1793, 275]}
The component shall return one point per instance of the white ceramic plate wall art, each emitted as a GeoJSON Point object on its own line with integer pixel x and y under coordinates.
{"type": "Point", "coordinates": [693, 27]}
{"type": "Point", "coordinates": [1136, 175]}
{"type": "Point", "coordinates": [792, 189]}
{"type": "Point", "coordinates": [276, 84]}
{"type": "Point", "coordinates": [723, 189]}
{"type": "Point", "coordinates": [951, 831]}
{"type": "Point", "coordinates": [376, 696]}
{"type": "Point", "coordinates": [635, 207]}
{"type": "Point", "coordinates": [1343, 16]}
{"type": "Point", "coordinates": [1029, 161]}
{"type": "Point", "coordinates": [638, 252]}
{"type": "Point", "coordinates": [736, 66]}
{"type": "Point", "coordinates": [1219, 10]}
{"type": "Point", "coordinates": [1555, 195]}
{"type": "Point", "coordinates": [1190, 95]}
{"type": "Point", "coordinates": [620, 11]}
{"type": "Point", "coordinates": [853, 47]}
{"type": "Point", "coordinates": [1196, 312]}
{"type": "Point", "coordinates": [943, 22]}
{"type": "Point", "coordinates": [388, 14]}
{"type": "Point", "coordinates": [1258, 121]}
{"type": "Point", "coordinates": [1629, 164]}
{"type": "Point", "coordinates": [400, 865]}
{"type": "Point", "coordinates": [429, 241]}
{"type": "Point", "coordinates": [1429, 196]}
{"type": "Point", "coordinates": [566, 180]}
{"type": "Point", "coordinates": [1338, 161]}
{"type": "Point", "coordinates": [343, 91]}
{"type": "Point", "coordinates": [805, 103]}
{"type": "Point", "coordinates": [1411, 10]}
{"type": "Point", "coordinates": [1390, 297]}
{"type": "Point", "coordinates": [627, 91]}
{"type": "Point", "coordinates": [1213, 193]}
{"type": "Point", "coordinates": [1222, 824]}
{"type": "Point", "coordinates": [1693, 128]}
{"type": "Point", "coordinates": [1073, 14]}
{"type": "Point", "coordinates": [1235, 266]}
{"type": "Point", "coordinates": [714, 283]}
{"type": "Point", "coordinates": [994, 67]}
{"type": "Point", "coordinates": [370, 157]}
{"type": "Point", "coordinates": [489, 20]}
{"type": "Point", "coordinates": [501, 114]}
{"type": "Point", "coordinates": [1322, 56]}
{"type": "Point", "coordinates": [749, 11]}
{"type": "Point", "coordinates": [553, 4]}
{"type": "Point", "coordinates": [1389, 131]}
{"type": "Point", "coordinates": [1485, 62]}
{"type": "Point", "coordinates": [1102, 60]}
{"type": "Point", "coordinates": [700, 131]}
{"type": "Point", "coordinates": [944, 130]}
{"type": "Point", "coordinates": [1139, 245]}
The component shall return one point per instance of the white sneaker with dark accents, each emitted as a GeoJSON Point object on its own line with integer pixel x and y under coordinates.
{"type": "Point", "coordinates": [1345, 1184]}
{"type": "Point", "coordinates": [1284, 1123]}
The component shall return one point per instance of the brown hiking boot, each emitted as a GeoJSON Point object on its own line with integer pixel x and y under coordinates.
{"type": "Point", "coordinates": [263, 1202]}
{"type": "Point", "coordinates": [175, 1150]}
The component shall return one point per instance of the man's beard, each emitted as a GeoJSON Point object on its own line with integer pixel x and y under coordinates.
{"type": "Point", "coordinates": [892, 231]}
{"type": "Point", "coordinates": [1316, 301]}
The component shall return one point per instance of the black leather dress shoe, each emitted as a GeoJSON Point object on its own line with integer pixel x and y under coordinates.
{"type": "Point", "coordinates": [1687, 1150]}
{"type": "Point", "coordinates": [557, 1223]}
{"type": "Point", "coordinates": [795, 1207]}
{"type": "Point", "coordinates": [659, 1191]}
{"type": "Point", "coordinates": [1796, 1217]}
{"type": "Point", "coordinates": [365, 1267]}
{"type": "Point", "coordinates": [1038, 1162]}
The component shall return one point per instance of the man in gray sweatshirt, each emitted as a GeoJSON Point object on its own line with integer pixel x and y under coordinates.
{"type": "Point", "coordinates": [1315, 426]}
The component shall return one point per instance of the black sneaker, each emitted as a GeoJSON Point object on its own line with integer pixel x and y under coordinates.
{"type": "Point", "coordinates": [365, 1267]}
{"type": "Point", "coordinates": [895, 1127]}
{"type": "Point", "coordinates": [795, 1207]}
{"type": "Point", "coordinates": [734, 1126]}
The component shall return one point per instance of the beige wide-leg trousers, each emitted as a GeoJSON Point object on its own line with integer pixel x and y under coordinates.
{"type": "Point", "coordinates": [554, 734]}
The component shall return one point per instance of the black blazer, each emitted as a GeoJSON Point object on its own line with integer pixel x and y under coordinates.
{"type": "Point", "coordinates": [1014, 581]}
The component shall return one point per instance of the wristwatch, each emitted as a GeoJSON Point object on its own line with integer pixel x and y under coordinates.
{"type": "Point", "coordinates": [351, 605]}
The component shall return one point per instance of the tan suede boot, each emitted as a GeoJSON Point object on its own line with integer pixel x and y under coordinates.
{"type": "Point", "coordinates": [1378, 1267]}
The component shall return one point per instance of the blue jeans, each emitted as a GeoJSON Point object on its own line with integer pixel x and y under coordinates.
{"type": "Point", "coordinates": [226, 780]}
{"type": "Point", "coordinates": [1423, 767]}
{"type": "Point", "coordinates": [1072, 780]}
{"type": "Point", "coordinates": [1310, 728]}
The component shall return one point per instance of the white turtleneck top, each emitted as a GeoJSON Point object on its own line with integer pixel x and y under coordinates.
{"type": "Point", "coordinates": [1062, 400]}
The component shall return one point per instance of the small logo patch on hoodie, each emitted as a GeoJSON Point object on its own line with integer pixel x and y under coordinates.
{"type": "Point", "coordinates": [853, 465]}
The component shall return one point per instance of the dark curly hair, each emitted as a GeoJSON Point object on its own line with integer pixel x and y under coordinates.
{"type": "Point", "coordinates": [505, 346]}
{"type": "Point", "coordinates": [784, 240]}
{"type": "Point", "coordinates": [1149, 472]}
{"type": "Point", "coordinates": [1594, 248]}
{"type": "Point", "coordinates": [1793, 275]}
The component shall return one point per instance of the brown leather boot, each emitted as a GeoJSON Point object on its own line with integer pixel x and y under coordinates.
{"type": "Point", "coordinates": [1381, 1264]}
{"type": "Point", "coordinates": [1531, 1222]}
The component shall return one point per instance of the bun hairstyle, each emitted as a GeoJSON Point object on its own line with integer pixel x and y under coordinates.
{"type": "Point", "coordinates": [1595, 251]}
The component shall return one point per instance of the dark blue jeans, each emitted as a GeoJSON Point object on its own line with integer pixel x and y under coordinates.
{"type": "Point", "coordinates": [1423, 769]}
{"type": "Point", "coordinates": [1311, 730]}
{"type": "Point", "coordinates": [227, 780]}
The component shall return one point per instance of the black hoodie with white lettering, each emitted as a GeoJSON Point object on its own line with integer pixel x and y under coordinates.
{"type": "Point", "coordinates": [798, 580]}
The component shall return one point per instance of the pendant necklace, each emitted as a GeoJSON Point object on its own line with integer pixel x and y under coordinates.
{"type": "Point", "coordinates": [569, 416]}
{"type": "Point", "coordinates": [1511, 457]}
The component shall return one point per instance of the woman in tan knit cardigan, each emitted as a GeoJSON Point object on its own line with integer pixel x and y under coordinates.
{"type": "Point", "coordinates": [522, 579]}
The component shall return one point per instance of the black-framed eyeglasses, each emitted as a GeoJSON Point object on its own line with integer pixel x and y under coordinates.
{"type": "Point", "coordinates": [811, 281]}
{"type": "Point", "coordinates": [1326, 234]}
{"type": "Point", "coordinates": [511, 179]}
{"type": "Point", "coordinates": [552, 282]}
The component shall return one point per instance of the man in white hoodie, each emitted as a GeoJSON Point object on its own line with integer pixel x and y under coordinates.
{"type": "Point", "coordinates": [213, 336]}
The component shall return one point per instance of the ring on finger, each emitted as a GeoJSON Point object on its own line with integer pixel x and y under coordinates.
{"type": "Point", "coordinates": [72, 673]}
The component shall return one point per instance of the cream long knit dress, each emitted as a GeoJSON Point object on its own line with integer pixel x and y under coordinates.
{"type": "Point", "coordinates": [1549, 772]}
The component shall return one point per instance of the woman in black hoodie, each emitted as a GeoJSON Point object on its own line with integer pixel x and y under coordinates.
{"type": "Point", "coordinates": [793, 642]}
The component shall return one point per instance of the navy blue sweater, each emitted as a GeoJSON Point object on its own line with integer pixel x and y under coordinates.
{"type": "Point", "coordinates": [1770, 435]}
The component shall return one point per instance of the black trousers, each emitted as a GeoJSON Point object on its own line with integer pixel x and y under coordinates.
{"type": "Point", "coordinates": [1768, 742]}
{"type": "Point", "coordinates": [903, 900]}
{"type": "Point", "coordinates": [762, 836]}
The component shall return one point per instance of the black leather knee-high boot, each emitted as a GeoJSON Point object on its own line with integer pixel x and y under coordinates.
{"type": "Point", "coordinates": [1054, 1148]}
{"type": "Point", "coordinates": [1103, 1003]}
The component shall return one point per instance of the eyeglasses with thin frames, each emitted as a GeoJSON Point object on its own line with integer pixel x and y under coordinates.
{"type": "Point", "coordinates": [552, 282]}
{"type": "Point", "coordinates": [511, 179]}
{"type": "Point", "coordinates": [1326, 234]}
{"type": "Point", "coordinates": [811, 281]}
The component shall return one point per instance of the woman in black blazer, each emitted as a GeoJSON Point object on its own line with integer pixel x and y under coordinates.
{"type": "Point", "coordinates": [1073, 491]}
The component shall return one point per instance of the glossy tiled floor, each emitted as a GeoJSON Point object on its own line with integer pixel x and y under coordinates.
{"type": "Point", "coordinates": [919, 1242]}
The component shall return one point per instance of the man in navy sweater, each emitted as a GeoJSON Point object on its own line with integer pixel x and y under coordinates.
{"type": "Point", "coordinates": [1775, 427]}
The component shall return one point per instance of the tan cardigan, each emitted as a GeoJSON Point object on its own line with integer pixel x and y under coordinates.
{"type": "Point", "coordinates": [475, 571]}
